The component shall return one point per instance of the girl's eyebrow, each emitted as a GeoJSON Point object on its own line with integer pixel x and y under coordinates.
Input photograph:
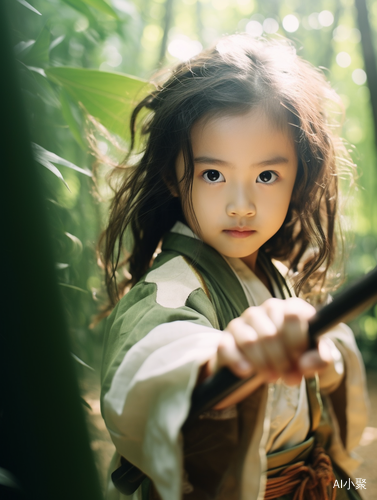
{"type": "Point", "coordinates": [209, 160]}
{"type": "Point", "coordinates": [276, 160]}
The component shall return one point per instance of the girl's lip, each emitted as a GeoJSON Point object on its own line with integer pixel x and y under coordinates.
{"type": "Point", "coordinates": [239, 232]}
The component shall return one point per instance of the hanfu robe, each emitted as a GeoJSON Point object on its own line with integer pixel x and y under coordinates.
{"type": "Point", "coordinates": [159, 336]}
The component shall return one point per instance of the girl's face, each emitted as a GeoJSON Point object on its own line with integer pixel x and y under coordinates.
{"type": "Point", "coordinates": [245, 170]}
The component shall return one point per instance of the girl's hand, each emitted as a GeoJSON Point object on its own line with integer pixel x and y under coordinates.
{"type": "Point", "coordinates": [271, 341]}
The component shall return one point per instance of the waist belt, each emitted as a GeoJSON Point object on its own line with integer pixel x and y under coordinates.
{"type": "Point", "coordinates": [304, 470]}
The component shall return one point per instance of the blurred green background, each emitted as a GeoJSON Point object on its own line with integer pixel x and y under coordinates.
{"type": "Point", "coordinates": [73, 58]}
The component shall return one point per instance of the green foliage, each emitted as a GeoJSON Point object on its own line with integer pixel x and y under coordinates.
{"type": "Point", "coordinates": [67, 53]}
{"type": "Point", "coordinates": [46, 158]}
{"type": "Point", "coordinates": [108, 97]}
{"type": "Point", "coordinates": [28, 6]}
{"type": "Point", "coordinates": [69, 117]}
{"type": "Point", "coordinates": [102, 6]}
{"type": "Point", "coordinates": [38, 55]}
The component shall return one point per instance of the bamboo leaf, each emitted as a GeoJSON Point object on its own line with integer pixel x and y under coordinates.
{"type": "Point", "coordinates": [61, 265]}
{"type": "Point", "coordinates": [75, 240]}
{"type": "Point", "coordinates": [83, 9]}
{"type": "Point", "coordinates": [8, 479]}
{"type": "Point", "coordinates": [109, 97]}
{"type": "Point", "coordinates": [22, 46]}
{"type": "Point", "coordinates": [41, 153]}
{"type": "Point", "coordinates": [45, 163]}
{"type": "Point", "coordinates": [73, 287]}
{"type": "Point", "coordinates": [70, 119]}
{"type": "Point", "coordinates": [81, 362]}
{"type": "Point", "coordinates": [34, 79]}
{"type": "Point", "coordinates": [56, 42]}
{"type": "Point", "coordinates": [39, 71]}
{"type": "Point", "coordinates": [102, 6]}
{"type": "Point", "coordinates": [28, 6]}
{"type": "Point", "coordinates": [38, 55]}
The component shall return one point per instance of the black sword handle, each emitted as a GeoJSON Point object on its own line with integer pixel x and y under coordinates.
{"type": "Point", "coordinates": [346, 304]}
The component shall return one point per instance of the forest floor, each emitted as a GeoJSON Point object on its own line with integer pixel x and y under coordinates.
{"type": "Point", "coordinates": [103, 448]}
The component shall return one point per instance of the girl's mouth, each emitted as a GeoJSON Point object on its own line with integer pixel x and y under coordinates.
{"type": "Point", "coordinates": [239, 233]}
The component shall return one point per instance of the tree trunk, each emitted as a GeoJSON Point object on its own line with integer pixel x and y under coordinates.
{"type": "Point", "coordinates": [328, 48]}
{"type": "Point", "coordinates": [369, 57]}
{"type": "Point", "coordinates": [167, 23]}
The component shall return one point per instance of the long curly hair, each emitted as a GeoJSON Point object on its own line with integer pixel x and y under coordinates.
{"type": "Point", "coordinates": [240, 73]}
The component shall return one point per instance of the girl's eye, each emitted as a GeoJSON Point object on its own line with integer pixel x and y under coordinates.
{"type": "Point", "coordinates": [213, 176]}
{"type": "Point", "coordinates": [267, 177]}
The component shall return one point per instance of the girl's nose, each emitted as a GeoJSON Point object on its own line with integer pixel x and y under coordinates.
{"type": "Point", "coordinates": [241, 205]}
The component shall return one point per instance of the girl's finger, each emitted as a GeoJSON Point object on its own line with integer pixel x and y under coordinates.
{"type": "Point", "coordinates": [257, 336]}
{"type": "Point", "coordinates": [247, 341]}
{"type": "Point", "coordinates": [311, 362]}
{"type": "Point", "coordinates": [230, 356]}
{"type": "Point", "coordinates": [291, 317]}
{"type": "Point", "coordinates": [269, 323]}
{"type": "Point", "coordinates": [276, 355]}
{"type": "Point", "coordinates": [288, 329]}
{"type": "Point", "coordinates": [295, 336]}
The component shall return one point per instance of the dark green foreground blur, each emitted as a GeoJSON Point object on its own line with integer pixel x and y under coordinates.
{"type": "Point", "coordinates": [44, 450]}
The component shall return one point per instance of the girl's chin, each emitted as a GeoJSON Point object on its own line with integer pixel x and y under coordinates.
{"type": "Point", "coordinates": [246, 256]}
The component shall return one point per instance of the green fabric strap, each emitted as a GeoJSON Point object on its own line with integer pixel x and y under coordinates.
{"type": "Point", "coordinates": [219, 276]}
{"type": "Point", "coordinates": [216, 272]}
{"type": "Point", "coordinates": [315, 402]}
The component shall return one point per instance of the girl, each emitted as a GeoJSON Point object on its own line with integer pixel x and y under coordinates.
{"type": "Point", "coordinates": [239, 173]}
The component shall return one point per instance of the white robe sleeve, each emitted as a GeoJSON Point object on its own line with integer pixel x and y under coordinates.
{"type": "Point", "coordinates": [150, 396]}
{"type": "Point", "coordinates": [355, 399]}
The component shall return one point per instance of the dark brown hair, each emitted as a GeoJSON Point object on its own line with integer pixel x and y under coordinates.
{"type": "Point", "coordinates": [239, 74]}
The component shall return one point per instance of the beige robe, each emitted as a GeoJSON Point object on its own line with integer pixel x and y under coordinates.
{"type": "Point", "coordinates": [171, 356]}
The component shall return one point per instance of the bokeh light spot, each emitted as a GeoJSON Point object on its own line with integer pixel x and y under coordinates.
{"type": "Point", "coordinates": [343, 59]}
{"type": "Point", "coordinates": [359, 76]}
{"type": "Point", "coordinates": [291, 23]}
{"type": "Point", "coordinates": [254, 28]}
{"type": "Point", "coordinates": [370, 327]}
{"type": "Point", "coordinates": [270, 25]}
{"type": "Point", "coordinates": [326, 18]}
{"type": "Point", "coordinates": [183, 48]}
{"type": "Point", "coordinates": [341, 33]}
{"type": "Point", "coordinates": [246, 7]}
{"type": "Point", "coordinates": [112, 56]}
{"type": "Point", "coordinates": [314, 21]}
{"type": "Point", "coordinates": [220, 4]}
{"type": "Point", "coordinates": [81, 24]}
{"type": "Point", "coordinates": [153, 33]}
{"type": "Point", "coordinates": [94, 282]}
